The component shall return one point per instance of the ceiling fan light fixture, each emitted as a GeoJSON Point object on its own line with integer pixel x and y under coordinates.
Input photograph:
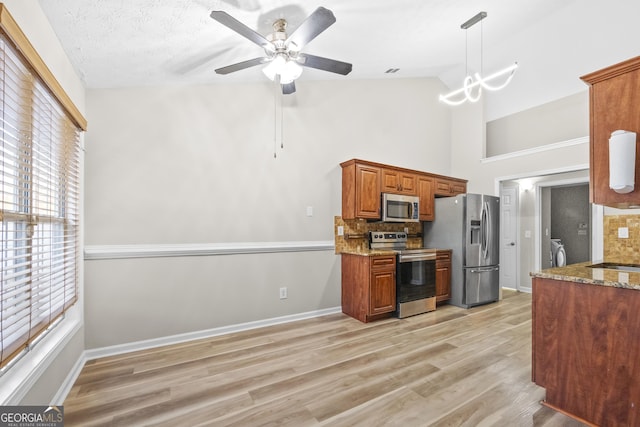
{"type": "Point", "coordinates": [290, 71]}
{"type": "Point", "coordinates": [275, 66]}
{"type": "Point", "coordinates": [285, 69]}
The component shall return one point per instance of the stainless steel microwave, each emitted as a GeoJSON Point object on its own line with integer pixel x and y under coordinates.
{"type": "Point", "coordinates": [400, 208]}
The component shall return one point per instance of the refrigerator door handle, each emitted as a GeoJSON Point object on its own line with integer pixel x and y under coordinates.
{"type": "Point", "coordinates": [484, 231]}
{"type": "Point", "coordinates": [483, 269]}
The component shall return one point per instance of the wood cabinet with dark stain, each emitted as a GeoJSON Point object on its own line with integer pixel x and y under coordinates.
{"type": "Point", "coordinates": [443, 275]}
{"type": "Point", "coordinates": [361, 191]}
{"type": "Point", "coordinates": [447, 187]}
{"type": "Point", "coordinates": [586, 347]}
{"type": "Point", "coordinates": [363, 183]}
{"type": "Point", "coordinates": [614, 104]}
{"type": "Point", "coordinates": [398, 182]}
{"type": "Point", "coordinates": [368, 286]}
{"type": "Point", "coordinates": [426, 195]}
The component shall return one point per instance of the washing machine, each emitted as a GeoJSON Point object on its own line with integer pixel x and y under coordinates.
{"type": "Point", "coordinates": [558, 254]}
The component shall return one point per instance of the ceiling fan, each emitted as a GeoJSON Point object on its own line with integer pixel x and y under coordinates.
{"type": "Point", "coordinates": [282, 52]}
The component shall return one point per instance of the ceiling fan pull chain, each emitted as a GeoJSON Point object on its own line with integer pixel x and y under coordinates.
{"type": "Point", "coordinates": [275, 118]}
{"type": "Point", "coordinates": [281, 122]}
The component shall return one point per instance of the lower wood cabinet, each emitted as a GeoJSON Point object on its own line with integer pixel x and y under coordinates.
{"type": "Point", "coordinates": [368, 286]}
{"type": "Point", "coordinates": [586, 342]}
{"type": "Point", "coordinates": [443, 275]}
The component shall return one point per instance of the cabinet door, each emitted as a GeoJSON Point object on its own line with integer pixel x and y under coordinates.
{"type": "Point", "coordinates": [443, 276]}
{"type": "Point", "coordinates": [614, 105]}
{"type": "Point", "coordinates": [425, 193]}
{"type": "Point", "coordinates": [367, 192]}
{"type": "Point", "coordinates": [398, 182]}
{"type": "Point", "coordinates": [383, 292]}
{"type": "Point", "coordinates": [446, 187]}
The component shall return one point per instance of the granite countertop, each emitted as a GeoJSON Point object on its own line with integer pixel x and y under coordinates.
{"type": "Point", "coordinates": [368, 252]}
{"type": "Point", "coordinates": [582, 273]}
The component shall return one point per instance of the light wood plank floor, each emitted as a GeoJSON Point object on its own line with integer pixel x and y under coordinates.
{"type": "Point", "coordinates": [451, 367]}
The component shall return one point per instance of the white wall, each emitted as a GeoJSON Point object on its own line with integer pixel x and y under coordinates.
{"type": "Point", "coordinates": [36, 378]}
{"type": "Point", "coordinates": [194, 165]}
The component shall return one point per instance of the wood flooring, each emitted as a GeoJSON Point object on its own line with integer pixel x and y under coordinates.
{"type": "Point", "coordinates": [450, 367]}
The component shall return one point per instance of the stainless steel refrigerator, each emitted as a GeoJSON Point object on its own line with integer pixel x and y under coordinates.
{"type": "Point", "coordinates": [469, 224]}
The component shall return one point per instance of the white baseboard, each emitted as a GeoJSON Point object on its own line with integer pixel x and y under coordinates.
{"type": "Point", "coordinates": [64, 390]}
{"type": "Point", "coordinates": [177, 339]}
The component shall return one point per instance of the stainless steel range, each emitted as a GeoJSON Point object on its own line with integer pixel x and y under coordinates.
{"type": "Point", "coordinates": [415, 273]}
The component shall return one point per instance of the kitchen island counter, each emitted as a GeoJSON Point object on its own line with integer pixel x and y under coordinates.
{"type": "Point", "coordinates": [582, 273]}
{"type": "Point", "coordinates": [585, 329]}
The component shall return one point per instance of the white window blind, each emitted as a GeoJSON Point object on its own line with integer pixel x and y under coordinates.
{"type": "Point", "coordinates": [39, 193]}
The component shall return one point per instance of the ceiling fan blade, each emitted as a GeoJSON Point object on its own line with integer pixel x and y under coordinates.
{"type": "Point", "coordinates": [229, 21]}
{"type": "Point", "coordinates": [317, 22]}
{"type": "Point", "coordinates": [241, 65]}
{"type": "Point", "coordinates": [324, 64]}
{"type": "Point", "coordinates": [288, 88]}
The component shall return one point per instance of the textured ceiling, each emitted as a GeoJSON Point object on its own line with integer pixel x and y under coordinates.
{"type": "Point", "coordinates": [139, 42]}
{"type": "Point", "coordinates": [117, 43]}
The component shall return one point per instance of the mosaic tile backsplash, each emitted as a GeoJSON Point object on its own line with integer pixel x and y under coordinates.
{"type": "Point", "coordinates": [356, 233]}
{"type": "Point", "coordinates": [618, 249]}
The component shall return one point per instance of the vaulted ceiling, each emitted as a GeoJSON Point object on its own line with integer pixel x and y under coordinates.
{"type": "Point", "coordinates": [119, 43]}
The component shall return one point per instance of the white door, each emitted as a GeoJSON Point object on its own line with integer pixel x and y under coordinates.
{"type": "Point", "coordinates": [509, 237]}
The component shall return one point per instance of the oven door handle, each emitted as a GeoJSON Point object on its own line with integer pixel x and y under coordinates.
{"type": "Point", "coordinates": [416, 257]}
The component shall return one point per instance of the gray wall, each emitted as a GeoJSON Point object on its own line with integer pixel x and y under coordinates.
{"type": "Point", "coordinates": [561, 120]}
{"type": "Point", "coordinates": [195, 165]}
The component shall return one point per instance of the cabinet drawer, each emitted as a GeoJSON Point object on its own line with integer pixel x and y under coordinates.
{"type": "Point", "coordinates": [443, 255]}
{"type": "Point", "coordinates": [383, 262]}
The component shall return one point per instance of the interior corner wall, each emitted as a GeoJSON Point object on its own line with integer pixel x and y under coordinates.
{"type": "Point", "coordinates": [195, 165]}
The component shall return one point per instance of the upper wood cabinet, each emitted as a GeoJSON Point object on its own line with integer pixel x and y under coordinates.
{"type": "Point", "coordinates": [614, 104]}
{"type": "Point", "coordinates": [363, 183]}
{"type": "Point", "coordinates": [361, 191]}
{"type": "Point", "coordinates": [394, 181]}
{"type": "Point", "coordinates": [450, 187]}
{"type": "Point", "coordinates": [425, 193]}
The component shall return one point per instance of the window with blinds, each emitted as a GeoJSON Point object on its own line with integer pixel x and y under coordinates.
{"type": "Point", "coordinates": [39, 195]}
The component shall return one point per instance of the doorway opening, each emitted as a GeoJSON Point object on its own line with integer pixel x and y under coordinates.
{"type": "Point", "coordinates": [561, 197]}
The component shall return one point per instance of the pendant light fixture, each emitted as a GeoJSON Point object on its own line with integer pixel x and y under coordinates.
{"type": "Point", "coordinates": [472, 86]}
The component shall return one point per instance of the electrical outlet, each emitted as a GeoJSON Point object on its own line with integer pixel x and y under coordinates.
{"type": "Point", "coordinates": [340, 230]}
{"type": "Point", "coordinates": [623, 232]}
{"type": "Point", "coordinates": [283, 293]}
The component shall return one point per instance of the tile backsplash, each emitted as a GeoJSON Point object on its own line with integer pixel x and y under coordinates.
{"type": "Point", "coordinates": [618, 249]}
{"type": "Point", "coordinates": [356, 233]}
